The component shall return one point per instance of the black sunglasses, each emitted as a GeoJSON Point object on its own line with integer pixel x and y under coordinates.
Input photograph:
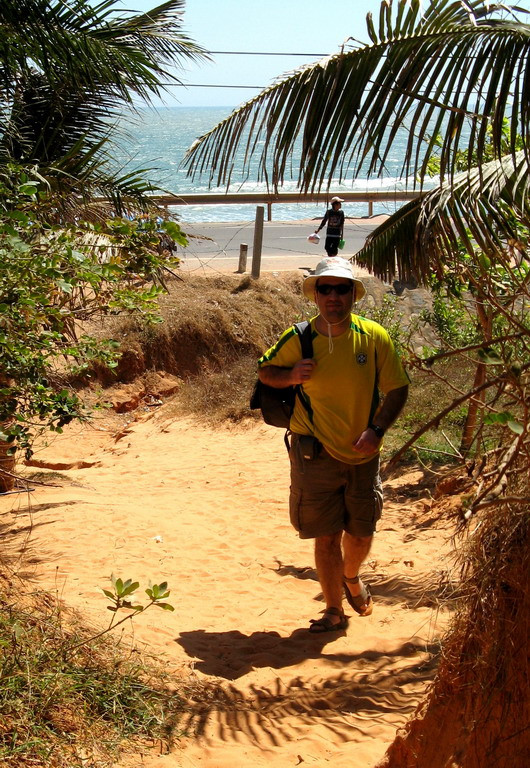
{"type": "Point", "coordinates": [341, 289]}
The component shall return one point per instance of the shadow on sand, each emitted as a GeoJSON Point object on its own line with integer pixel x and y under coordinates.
{"type": "Point", "coordinates": [372, 687]}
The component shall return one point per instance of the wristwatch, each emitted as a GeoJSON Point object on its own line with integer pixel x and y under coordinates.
{"type": "Point", "coordinates": [379, 431]}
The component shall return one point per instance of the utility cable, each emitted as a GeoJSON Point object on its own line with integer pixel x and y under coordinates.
{"type": "Point", "coordinates": [266, 53]}
{"type": "Point", "coordinates": [203, 85]}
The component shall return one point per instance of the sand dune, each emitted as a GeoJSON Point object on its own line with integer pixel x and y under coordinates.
{"type": "Point", "coordinates": [169, 499]}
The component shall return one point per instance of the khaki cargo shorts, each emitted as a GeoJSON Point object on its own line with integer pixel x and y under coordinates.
{"type": "Point", "coordinates": [328, 495]}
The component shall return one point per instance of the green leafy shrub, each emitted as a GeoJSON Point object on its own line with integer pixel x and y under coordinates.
{"type": "Point", "coordinates": [69, 698]}
{"type": "Point", "coordinates": [53, 279]}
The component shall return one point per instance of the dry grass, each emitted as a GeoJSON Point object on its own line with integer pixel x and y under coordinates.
{"type": "Point", "coordinates": [69, 710]}
{"type": "Point", "coordinates": [213, 331]}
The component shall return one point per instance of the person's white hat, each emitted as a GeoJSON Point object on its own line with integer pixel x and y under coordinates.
{"type": "Point", "coordinates": [332, 266]}
{"type": "Point", "coordinates": [337, 200]}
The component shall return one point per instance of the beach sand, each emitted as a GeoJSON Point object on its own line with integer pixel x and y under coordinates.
{"type": "Point", "coordinates": [154, 497]}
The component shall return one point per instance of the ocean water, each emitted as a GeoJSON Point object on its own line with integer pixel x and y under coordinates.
{"type": "Point", "coordinates": [156, 141]}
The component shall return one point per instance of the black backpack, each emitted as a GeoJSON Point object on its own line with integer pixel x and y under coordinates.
{"type": "Point", "coordinates": [277, 405]}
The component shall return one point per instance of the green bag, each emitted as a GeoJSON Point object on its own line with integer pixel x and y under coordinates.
{"type": "Point", "coordinates": [342, 243]}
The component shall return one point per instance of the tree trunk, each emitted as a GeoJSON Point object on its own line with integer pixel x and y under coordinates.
{"type": "Point", "coordinates": [7, 468]}
{"type": "Point", "coordinates": [477, 403]}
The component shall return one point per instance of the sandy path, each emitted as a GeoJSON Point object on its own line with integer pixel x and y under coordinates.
{"type": "Point", "coordinates": [206, 511]}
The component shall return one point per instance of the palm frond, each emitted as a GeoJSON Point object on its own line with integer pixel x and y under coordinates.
{"type": "Point", "coordinates": [159, 32]}
{"type": "Point", "coordinates": [66, 71]}
{"type": "Point", "coordinates": [423, 237]}
{"type": "Point", "coordinates": [91, 48]}
{"type": "Point", "coordinates": [458, 68]}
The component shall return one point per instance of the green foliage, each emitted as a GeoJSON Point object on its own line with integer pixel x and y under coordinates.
{"type": "Point", "coordinates": [52, 280]}
{"type": "Point", "coordinates": [390, 316]}
{"type": "Point", "coordinates": [464, 158]}
{"type": "Point", "coordinates": [453, 320]}
{"type": "Point", "coordinates": [58, 709]}
{"type": "Point", "coordinates": [505, 418]}
{"type": "Point", "coordinates": [123, 592]}
{"type": "Point", "coordinates": [442, 67]}
{"type": "Point", "coordinates": [66, 74]}
{"type": "Point", "coordinates": [121, 596]}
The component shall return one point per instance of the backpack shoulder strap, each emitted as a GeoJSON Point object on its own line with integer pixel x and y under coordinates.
{"type": "Point", "coordinates": [303, 330]}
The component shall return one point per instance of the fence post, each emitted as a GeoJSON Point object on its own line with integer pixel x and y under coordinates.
{"type": "Point", "coordinates": [258, 241]}
{"type": "Point", "coordinates": [243, 250]}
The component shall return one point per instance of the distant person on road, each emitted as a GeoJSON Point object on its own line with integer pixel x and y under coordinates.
{"type": "Point", "coordinates": [336, 432]}
{"type": "Point", "coordinates": [334, 218]}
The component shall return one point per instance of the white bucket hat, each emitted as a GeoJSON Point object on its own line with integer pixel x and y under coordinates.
{"type": "Point", "coordinates": [336, 200]}
{"type": "Point", "coordinates": [332, 266]}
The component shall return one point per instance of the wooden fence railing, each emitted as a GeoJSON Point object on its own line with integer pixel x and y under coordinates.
{"type": "Point", "coordinates": [269, 199]}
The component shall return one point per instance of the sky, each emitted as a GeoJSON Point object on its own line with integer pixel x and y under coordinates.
{"type": "Point", "coordinates": [286, 26]}
{"type": "Point", "coordinates": [314, 27]}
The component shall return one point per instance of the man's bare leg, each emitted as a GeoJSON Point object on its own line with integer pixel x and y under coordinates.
{"type": "Point", "coordinates": [330, 566]}
{"type": "Point", "coordinates": [356, 549]}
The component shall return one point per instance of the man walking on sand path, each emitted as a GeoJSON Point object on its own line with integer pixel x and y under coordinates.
{"type": "Point", "coordinates": [334, 218]}
{"type": "Point", "coordinates": [337, 428]}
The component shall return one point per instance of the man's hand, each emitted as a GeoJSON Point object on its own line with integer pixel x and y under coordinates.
{"type": "Point", "coordinates": [367, 443]}
{"type": "Point", "coordinates": [302, 370]}
{"type": "Point", "coordinates": [275, 376]}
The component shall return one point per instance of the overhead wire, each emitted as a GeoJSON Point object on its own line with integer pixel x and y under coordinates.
{"type": "Point", "coordinates": [243, 53]}
{"type": "Point", "coordinates": [206, 85]}
{"type": "Point", "coordinates": [251, 53]}
{"type": "Point", "coordinates": [266, 53]}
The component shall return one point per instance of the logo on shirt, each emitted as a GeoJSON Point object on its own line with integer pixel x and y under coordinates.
{"type": "Point", "coordinates": [362, 358]}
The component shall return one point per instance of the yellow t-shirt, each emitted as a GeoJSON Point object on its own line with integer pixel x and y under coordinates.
{"type": "Point", "coordinates": [343, 392]}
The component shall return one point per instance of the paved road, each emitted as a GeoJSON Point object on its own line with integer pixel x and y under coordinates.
{"type": "Point", "coordinates": [285, 245]}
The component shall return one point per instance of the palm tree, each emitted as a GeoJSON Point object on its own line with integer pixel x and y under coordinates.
{"type": "Point", "coordinates": [460, 71]}
{"type": "Point", "coordinates": [67, 70]}
{"type": "Point", "coordinates": [454, 70]}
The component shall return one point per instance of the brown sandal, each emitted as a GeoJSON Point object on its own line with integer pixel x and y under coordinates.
{"type": "Point", "coordinates": [326, 625]}
{"type": "Point", "coordinates": [363, 603]}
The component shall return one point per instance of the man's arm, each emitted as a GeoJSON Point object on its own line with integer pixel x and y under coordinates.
{"type": "Point", "coordinates": [277, 377]}
{"type": "Point", "coordinates": [391, 407]}
{"type": "Point", "coordinates": [368, 442]}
